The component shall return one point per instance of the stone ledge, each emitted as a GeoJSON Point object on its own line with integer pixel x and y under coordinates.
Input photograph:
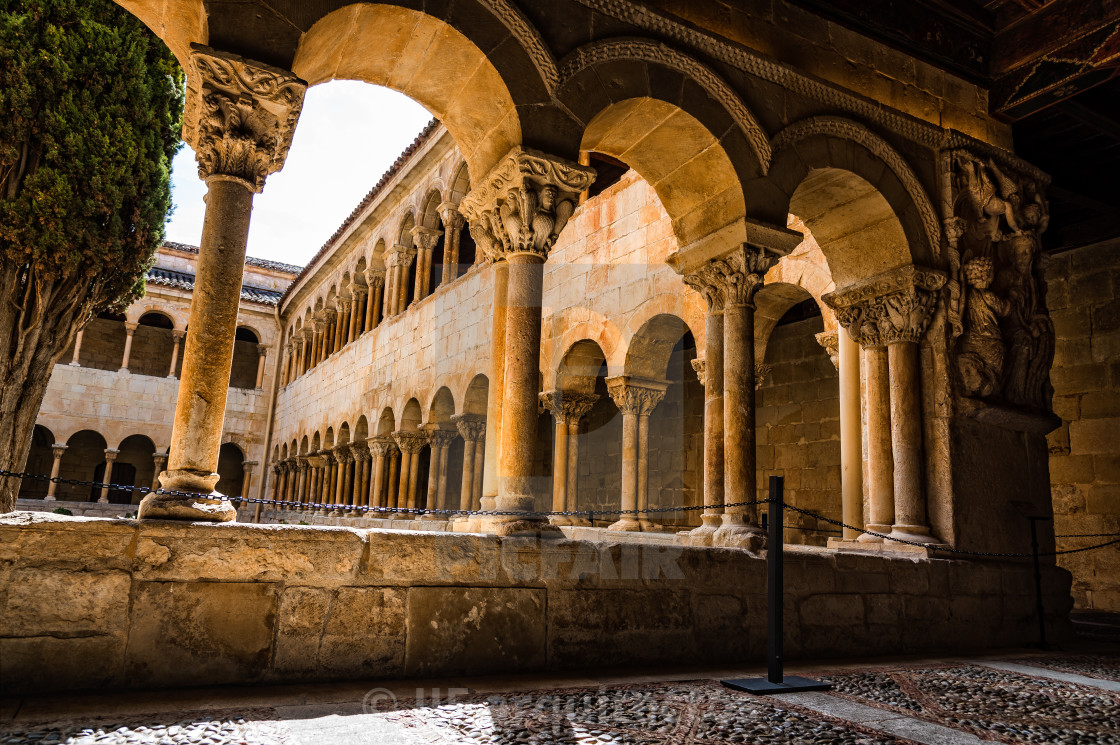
{"type": "Point", "coordinates": [121, 603]}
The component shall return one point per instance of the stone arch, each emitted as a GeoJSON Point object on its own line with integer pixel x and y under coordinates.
{"type": "Point", "coordinates": [476, 395]}
{"type": "Point", "coordinates": [316, 442]}
{"type": "Point", "coordinates": [231, 474]}
{"type": "Point", "coordinates": [40, 460]}
{"type": "Point", "coordinates": [152, 344]}
{"type": "Point", "coordinates": [580, 366]}
{"type": "Point", "coordinates": [856, 194]}
{"type": "Point", "coordinates": [435, 62]}
{"type": "Point", "coordinates": [134, 466]}
{"type": "Point", "coordinates": [361, 428]}
{"type": "Point", "coordinates": [328, 438]}
{"type": "Point", "coordinates": [649, 350]}
{"type": "Point", "coordinates": [404, 232]}
{"type": "Point", "coordinates": [386, 423]}
{"type": "Point", "coordinates": [303, 445]}
{"type": "Point", "coordinates": [343, 434]}
{"type": "Point", "coordinates": [460, 184]}
{"type": "Point", "coordinates": [598, 329]}
{"type": "Point", "coordinates": [85, 450]}
{"type": "Point", "coordinates": [243, 370]}
{"type": "Point", "coordinates": [412, 416]}
{"type": "Point", "coordinates": [688, 307]}
{"type": "Point", "coordinates": [442, 407]}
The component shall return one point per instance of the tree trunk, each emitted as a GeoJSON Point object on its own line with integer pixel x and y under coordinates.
{"type": "Point", "coordinates": [39, 318]}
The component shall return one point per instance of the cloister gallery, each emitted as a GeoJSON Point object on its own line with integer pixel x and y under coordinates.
{"type": "Point", "coordinates": [646, 256]}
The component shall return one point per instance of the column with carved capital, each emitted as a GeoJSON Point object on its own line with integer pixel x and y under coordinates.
{"type": "Point", "coordinates": [636, 398]}
{"type": "Point", "coordinates": [57, 450]}
{"type": "Point", "coordinates": [77, 348]}
{"type": "Point", "coordinates": [345, 316]}
{"type": "Point", "coordinates": [440, 439]}
{"type": "Point", "coordinates": [410, 443]}
{"type": "Point", "coordinates": [159, 460]}
{"type": "Point", "coordinates": [709, 370]}
{"type": "Point", "coordinates": [452, 228]}
{"type": "Point", "coordinates": [472, 428]}
{"type": "Point", "coordinates": [176, 340]}
{"type": "Point", "coordinates": [262, 352]}
{"type": "Point", "coordinates": [376, 280]}
{"type": "Point", "coordinates": [331, 332]}
{"type": "Point", "coordinates": [567, 408]}
{"type": "Point", "coordinates": [357, 311]}
{"type": "Point", "coordinates": [239, 119]}
{"type": "Point", "coordinates": [129, 331]}
{"type": "Point", "coordinates": [107, 477]}
{"type": "Point", "coordinates": [517, 211]}
{"type": "Point", "coordinates": [424, 239]}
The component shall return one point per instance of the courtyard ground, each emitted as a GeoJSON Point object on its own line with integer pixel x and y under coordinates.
{"type": "Point", "coordinates": [1070, 696]}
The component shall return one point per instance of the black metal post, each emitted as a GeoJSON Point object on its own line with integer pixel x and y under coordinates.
{"type": "Point", "coordinates": [775, 680]}
{"type": "Point", "coordinates": [1038, 585]}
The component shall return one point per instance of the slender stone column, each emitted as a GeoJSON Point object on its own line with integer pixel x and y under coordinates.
{"type": "Point", "coordinates": [309, 346]}
{"type": "Point", "coordinates": [345, 316]}
{"type": "Point", "coordinates": [357, 311]}
{"type": "Point", "coordinates": [300, 494]}
{"type": "Point", "coordinates": [57, 450]}
{"type": "Point", "coordinates": [635, 398]}
{"type": "Point", "coordinates": [438, 439]}
{"type": "Point", "coordinates": [567, 407]}
{"type": "Point", "coordinates": [517, 211]}
{"type": "Point", "coordinates": [410, 443]}
{"type": "Point", "coordinates": [392, 264]}
{"type": "Point", "coordinates": [405, 471]}
{"type": "Point", "coordinates": [380, 447]}
{"type": "Point", "coordinates": [376, 280]}
{"type": "Point", "coordinates": [361, 491]}
{"type": "Point", "coordinates": [893, 309]}
{"type": "Point", "coordinates": [262, 353]}
{"type": "Point", "coordinates": [393, 498]}
{"type": "Point", "coordinates": [452, 228]}
{"type": "Point", "coordinates": [570, 503]}
{"type": "Point", "coordinates": [472, 428]}
{"type": "Point", "coordinates": [239, 118]}
{"type": "Point", "coordinates": [246, 476]}
{"type": "Point", "coordinates": [479, 463]}
{"type": "Point", "coordinates": [177, 339]}
{"type": "Point", "coordinates": [851, 434]}
{"type": "Point", "coordinates": [107, 478]}
{"type": "Point", "coordinates": [330, 332]}
{"type": "Point", "coordinates": [425, 240]}
{"type": "Point", "coordinates": [441, 488]}
{"type": "Point", "coordinates": [129, 330]}
{"type": "Point", "coordinates": [315, 480]}
{"type": "Point", "coordinates": [77, 348]}
{"type": "Point", "coordinates": [159, 460]}
{"type": "Point", "coordinates": [489, 494]}
{"type": "Point", "coordinates": [343, 481]}
{"type": "Point", "coordinates": [275, 468]}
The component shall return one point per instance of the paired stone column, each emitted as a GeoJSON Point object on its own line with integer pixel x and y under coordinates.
{"type": "Point", "coordinates": [357, 310]}
{"type": "Point", "coordinates": [636, 398]}
{"type": "Point", "coordinates": [331, 332]}
{"type": "Point", "coordinates": [410, 444]}
{"type": "Point", "coordinates": [316, 465]}
{"type": "Point", "coordinates": [379, 447]}
{"type": "Point", "coordinates": [472, 428]}
{"type": "Point", "coordinates": [362, 473]}
{"type": "Point", "coordinates": [239, 119]}
{"type": "Point", "coordinates": [57, 450]}
{"type": "Point", "coordinates": [851, 435]}
{"type": "Point", "coordinates": [517, 211]}
{"type": "Point", "coordinates": [107, 478]}
{"type": "Point", "coordinates": [262, 353]}
{"type": "Point", "coordinates": [393, 498]}
{"type": "Point", "coordinates": [567, 408]}
{"type": "Point", "coordinates": [452, 228]}
{"type": "Point", "coordinates": [439, 440]}
{"type": "Point", "coordinates": [129, 331]}
{"type": "Point", "coordinates": [77, 348]}
{"type": "Point", "coordinates": [425, 240]}
{"type": "Point", "coordinates": [159, 460]}
{"type": "Point", "coordinates": [176, 340]}
{"type": "Point", "coordinates": [888, 314]}
{"type": "Point", "coordinates": [376, 280]}
{"type": "Point", "coordinates": [489, 494]}
{"type": "Point", "coordinates": [709, 370]}
{"type": "Point", "coordinates": [276, 471]}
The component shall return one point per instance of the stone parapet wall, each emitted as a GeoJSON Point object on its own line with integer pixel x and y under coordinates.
{"type": "Point", "coordinates": [117, 603]}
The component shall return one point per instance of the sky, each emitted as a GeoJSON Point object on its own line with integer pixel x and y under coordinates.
{"type": "Point", "coordinates": [348, 135]}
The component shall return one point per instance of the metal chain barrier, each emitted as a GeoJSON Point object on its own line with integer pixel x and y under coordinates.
{"type": "Point", "coordinates": [367, 510]}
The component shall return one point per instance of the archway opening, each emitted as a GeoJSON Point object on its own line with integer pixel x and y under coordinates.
{"type": "Point", "coordinates": [231, 474]}
{"type": "Point", "coordinates": [135, 466]}
{"type": "Point", "coordinates": [152, 344]}
{"type": "Point", "coordinates": [103, 341]}
{"type": "Point", "coordinates": [40, 460]}
{"type": "Point", "coordinates": [85, 451]}
{"type": "Point", "coordinates": [243, 371]}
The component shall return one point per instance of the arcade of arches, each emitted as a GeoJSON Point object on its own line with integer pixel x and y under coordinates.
{"type": "Point", "coordinates": [641, 274]}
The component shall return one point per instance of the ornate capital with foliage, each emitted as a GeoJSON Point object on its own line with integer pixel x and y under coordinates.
{"type": "Point", "coordinates": [891, 307]}
{"type": "Point", "coordinates": [438, 436]}
{"type": "Point", "coordinates": [636, 395]}
{"type": "Point", "coordinates": [830, 342]}
{"type": "Point", "coordinates": [240, 115]}
{"type": "Point", "coordinates": [472, 427]}
{"type": "Point", "coordinates": [524, 202]}
{"type": "Point", "coordinates": [568, 406]}
{"type": "Point", "coordinates": [425, 238]}
{"type": "Point", "coordinates": [733, 279]}
{"type": "Point", "coordinates": [453, 219]}
{"type": "Point", "coordinates": [410, 442]}
{"type": "Point", "coordinates": [381, 445]}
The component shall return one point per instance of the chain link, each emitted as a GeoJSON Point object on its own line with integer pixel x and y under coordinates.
{"type": "Point", "coordinates": [367, 510]}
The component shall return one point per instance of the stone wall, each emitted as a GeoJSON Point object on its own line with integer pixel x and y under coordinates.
{"type": "Point", "coordinates": [102, 345]}
{"type": "Point", "coordinates": [798, 422]}
{"type": "Point", "coordinates": [91, 603]}
{"type": "Point", "coordinates": [1084, 298]}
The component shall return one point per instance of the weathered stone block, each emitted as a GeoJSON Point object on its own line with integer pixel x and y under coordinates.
{"type": "Point", "coordinates": [455, 630]}
{"type": "Point", "coordinates": [79, 603]}
{"type": "Point", "coordinates": [196, 633]}
{"type": "Point", "coordinates": [48, 663]}
{"type": "Point", "coordinates": [365, 633]}
{"type": "Point", "coordinates": [832, 610]}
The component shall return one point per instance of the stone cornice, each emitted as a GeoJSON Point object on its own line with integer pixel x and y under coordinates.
{"type": "Point", "coordinates": [240, 115]}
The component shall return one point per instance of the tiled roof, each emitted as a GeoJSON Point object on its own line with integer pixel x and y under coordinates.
{"type": "Point", "coordinates": [394, 169]}
{"type": "Point", "coordinates": [184, 281]}
{"type": "Point", "coordinates": [276, 266]}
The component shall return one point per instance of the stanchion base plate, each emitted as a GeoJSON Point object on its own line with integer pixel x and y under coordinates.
{"type": "Point", "coordinates": [789, 684]}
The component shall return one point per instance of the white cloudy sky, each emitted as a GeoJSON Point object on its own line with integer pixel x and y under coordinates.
{"type": "Point", "coordinates": [348, 135]}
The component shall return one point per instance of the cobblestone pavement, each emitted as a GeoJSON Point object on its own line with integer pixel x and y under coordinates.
{"type": "Point", "coordinates": [930, 704]}
{"type": "Point", "coordinates": [992, 704]}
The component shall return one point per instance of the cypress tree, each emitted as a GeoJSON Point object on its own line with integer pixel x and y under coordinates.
{"type": "Point", "coordinates": [92, 105]}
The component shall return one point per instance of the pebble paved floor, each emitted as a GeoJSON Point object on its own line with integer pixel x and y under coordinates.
{"type": "Point", "coordinates": [1067, 698]}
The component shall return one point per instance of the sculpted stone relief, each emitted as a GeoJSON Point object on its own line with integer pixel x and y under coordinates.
{"type": "Point", "coordinates": [1004, 335]}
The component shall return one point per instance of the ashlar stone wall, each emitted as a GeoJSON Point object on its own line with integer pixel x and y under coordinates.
{"type": "Point", "coordinates": [1084, 297]}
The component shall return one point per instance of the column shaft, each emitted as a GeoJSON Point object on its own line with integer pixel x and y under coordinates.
{"type": "Point", "coordinates": [500, 272]}
{"type": "Point", "coordinates": [851, 434]}
{"type": "Point", "coordinates": [441, 489]}
{"type": "Point", "coordinates": [465, 496]}
{"type": "Point", "coordinates": [77, 348]}
{"type": "Point", "coordinates": [177, 338]}
{"type": "Point", "coordinates": [560, 470]}
{"type": "Point", "coordinates": [910, 519]}
{"type": "Point", "coordinates": [880, 462]}
{"type": "Point", "coordinates": [130, 330]}
{"type": "Point", "coordinates": [738, 414]}
{"type": "Point", "coordinates": [629, 500]}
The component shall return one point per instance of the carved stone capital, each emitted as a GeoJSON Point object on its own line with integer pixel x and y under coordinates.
{"type": "Point", "coordinates": [830, 342]}
{"type": "Point", "coordinates": [568, 406]}
{"type": "Point", "coordinates": [358, 291]}
{"type": "Point", "coordinates": [709, 283]}
{"type": "Point", "coordinates": [240, 115]}
{"type": "Point", "coordinates": [345, 302]}
{"type": "Point", "coordinates": [381, 445]}
{"type": "Point", "coordinates": [399, 255]}
{"type": "Point", "coordinates": [453, 219]}
{"type": "Point", "coordinates": [111, 454]}
{"type": "Point", "coordinates": [472, 427]}
{"type": "Point", "coordinates": [700, 365]}
{"type": "Point", "coordinates": [59, 449]}
{"type": "Point", "coordinates": [891, 307]}
{"type": "Point", "coordinates": [410, 442]}
{"type": "Point", "coordinates": [425, 239]}
{"type": "Point", "coordinates": [327, 457]}
{"type": "Point", "coordinates": [524, 202]}
{"type": "Point", "coordinates": [761, 373]}
{"type": "Point", "coordinates": [734, 278]}
{"type": "Point", "coordinates": [375, 278]}
{"type": "Point", "coordinates": [636, 395]}
{"type": "Point", "coordinates": [439, 436]}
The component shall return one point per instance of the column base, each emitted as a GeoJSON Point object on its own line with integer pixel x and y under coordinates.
{"type": "Point", "coordinates": [865, 538]}
{"type": "Point", "coordinates": [215, 508]}
{"type": "Point", "coordinates": [735, 532]}
{"type": "Point", "coordinates": [522, 528]}
{"type": "Point", "coordinates": [626, 523]}
{"type": "Point", "coordinates": [703, 535]}
{"type": "Point", "coordinates": [560, 520]}
{"type": "Point", "coordinates": [913, 533]}
{"type": "Point", "coordinates": [49, 498]}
